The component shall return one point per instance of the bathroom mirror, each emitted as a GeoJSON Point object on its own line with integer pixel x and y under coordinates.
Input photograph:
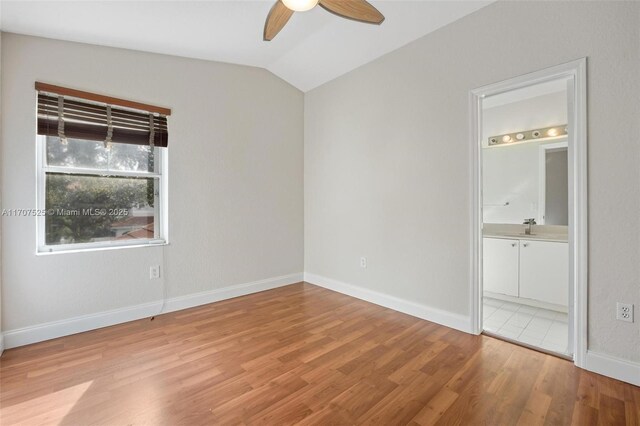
{"type": "Point", "coordinates": [524, 155]}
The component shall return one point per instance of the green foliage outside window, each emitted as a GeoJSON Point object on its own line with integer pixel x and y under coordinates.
{"type": "Point", "coordinates": [85, 207]}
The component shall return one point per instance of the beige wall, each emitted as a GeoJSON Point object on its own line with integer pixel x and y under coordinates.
{"type": "Point", "coordinates": [1, 335]}
{"type": "Point", "coordinates": [235, 180]}
{"type": "Point", "coordinates": [387, 156]}
{"type": "Point", "coordinates": [386, 167]}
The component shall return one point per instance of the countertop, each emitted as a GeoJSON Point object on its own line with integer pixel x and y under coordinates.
{"type": "Point", "coordinates": [559, 238]}
{"type": "Point", "coordinates": [538, 232]}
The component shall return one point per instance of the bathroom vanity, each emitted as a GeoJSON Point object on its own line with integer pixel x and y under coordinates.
{"type": "Point", "coordinates": [528, 269]}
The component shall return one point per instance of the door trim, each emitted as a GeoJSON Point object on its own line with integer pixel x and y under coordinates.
{"type": "Point", "coordinates": [575, 72]}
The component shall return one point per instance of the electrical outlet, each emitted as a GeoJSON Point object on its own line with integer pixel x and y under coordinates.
{"type": "Point", "coordinates": [363, 262]}
{"type": "Point", "coordinates": [154, 272]}
{"type": "Point", "coordinates": [624, 312]}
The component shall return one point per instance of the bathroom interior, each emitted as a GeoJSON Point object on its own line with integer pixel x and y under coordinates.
{"type": "Point", "coordinates": [525, 210]}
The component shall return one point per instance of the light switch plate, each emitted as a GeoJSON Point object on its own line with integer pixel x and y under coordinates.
{"type": "Point", "coordinates": [154, 272]}
{"type": "Point", "coordinates": [624, 312]}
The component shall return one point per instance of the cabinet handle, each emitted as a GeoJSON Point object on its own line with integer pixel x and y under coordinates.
{"type": "Point", "coordinates": [526, 244]}
{"type": "Point", "coordinates": [514, 244]}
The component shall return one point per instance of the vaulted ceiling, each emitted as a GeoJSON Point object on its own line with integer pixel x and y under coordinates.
{"type": "Point", "coordinates": [314, 47]}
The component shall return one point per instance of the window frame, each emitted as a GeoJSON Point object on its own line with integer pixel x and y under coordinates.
{"type": "Point", "coordinates": [161, 205]}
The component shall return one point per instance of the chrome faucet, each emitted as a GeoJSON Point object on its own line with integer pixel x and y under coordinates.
{"type": "Point", "coordinates": [528, 222]}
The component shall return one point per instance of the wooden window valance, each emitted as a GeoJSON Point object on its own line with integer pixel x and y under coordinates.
{"type": "Point", "coordinates": [70, 113]}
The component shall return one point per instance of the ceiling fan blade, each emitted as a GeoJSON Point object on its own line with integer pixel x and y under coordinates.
{"type": "Point", "coordinates": [276, 20]}
{"type": "Point", "coordinates": [358, 10]}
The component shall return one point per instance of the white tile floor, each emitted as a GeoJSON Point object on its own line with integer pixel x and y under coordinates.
{"type": "Point", "coordinates": [535, 326]}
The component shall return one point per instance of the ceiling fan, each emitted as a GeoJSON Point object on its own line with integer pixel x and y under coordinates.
{"type": "Point", "coordinates": [358, 10]}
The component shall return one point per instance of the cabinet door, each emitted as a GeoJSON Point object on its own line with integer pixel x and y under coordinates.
{"type": "Point", "coordinates": [500, 266]}
{"type": "Point", "coordinates": [544, 271]}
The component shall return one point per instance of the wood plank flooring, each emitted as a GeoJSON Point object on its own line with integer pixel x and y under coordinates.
{"type": "Point", "coordinates": [299, 354]}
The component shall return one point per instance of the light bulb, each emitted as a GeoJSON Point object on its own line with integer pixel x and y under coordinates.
{"type": "Point", "coordinates": [506, 138]}
{"type": "Point", "coordinates": [552, 132]}
{"type": "Point", "coordinates": [300, 5]}
{"type": "Point", "coordinates": [520, 136]}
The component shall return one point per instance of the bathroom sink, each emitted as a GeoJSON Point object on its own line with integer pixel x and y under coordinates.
{"type": "Point", "coordinates": [523, 236]}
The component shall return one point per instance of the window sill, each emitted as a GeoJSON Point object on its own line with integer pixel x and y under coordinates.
{"type": "Point", "coordinates": [83, 248]}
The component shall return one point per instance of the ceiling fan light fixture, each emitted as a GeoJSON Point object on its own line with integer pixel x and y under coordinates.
{"type": "Point", "coordinates": [281, 11]}
{"type": "Point", "coordinates": [300, 5]}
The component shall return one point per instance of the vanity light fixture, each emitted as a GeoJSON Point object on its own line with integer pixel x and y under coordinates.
{"type": "Point", "coordinates": [536, 134]}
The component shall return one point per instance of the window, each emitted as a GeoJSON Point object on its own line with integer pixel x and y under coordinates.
{"type": "Point", "coordinates": [101, 180]}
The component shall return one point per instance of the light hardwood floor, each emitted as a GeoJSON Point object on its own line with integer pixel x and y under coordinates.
{"type": "Point", "coordinates": [299, 354]}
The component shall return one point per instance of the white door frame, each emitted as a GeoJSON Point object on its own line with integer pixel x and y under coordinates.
{"type": "Point", "coordinates": [575, 72]}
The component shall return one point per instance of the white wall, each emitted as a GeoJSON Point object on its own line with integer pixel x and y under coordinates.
{"type": "Point", "coordinates": [386, 167]}
{"type": "Point", "coordinates": [536, 112]}
{"type": "Point", "coordinates": [387, 156]}
{"type": "Point", "coordinates": [235, 180]}
{"type": "Point", "coordinates": [510, 173]}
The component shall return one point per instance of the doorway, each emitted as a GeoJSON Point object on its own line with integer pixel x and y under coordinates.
{"type": "Point", "coordinates": [529, 210]}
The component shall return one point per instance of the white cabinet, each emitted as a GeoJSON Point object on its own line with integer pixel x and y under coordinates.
{"type": "Point", "coordinates": [544, 271]}
{"type": "Point", "coordinates": [537, 270]}
{"type": "Point", "coordinates": [500, 265]}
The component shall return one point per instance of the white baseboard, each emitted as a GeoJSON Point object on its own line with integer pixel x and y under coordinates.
{"type": "Point", "coordinates": [607, 365]}
{"type": "Point", "coordinates": [448, 319]}
{"type": "Point", "coordinates": [52, 330]}
{"type": "Point", "coordinates": [197, 299]}
{"type": "Point", "coordinates": [528, 302]}
{"type": "Point", "coordinates": [624, 370]}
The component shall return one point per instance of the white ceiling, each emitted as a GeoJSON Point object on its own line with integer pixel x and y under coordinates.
{"type": "Point", "coordinates": [313, 48]}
